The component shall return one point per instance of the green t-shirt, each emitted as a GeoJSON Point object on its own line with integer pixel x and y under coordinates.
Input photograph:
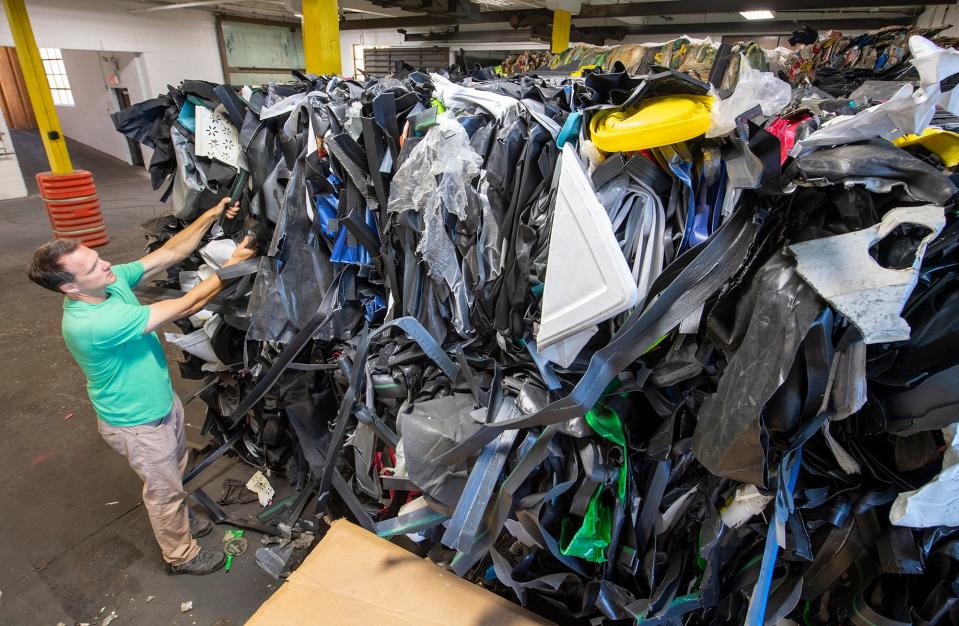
{"type": "Point", "coordinates": [127, 377]}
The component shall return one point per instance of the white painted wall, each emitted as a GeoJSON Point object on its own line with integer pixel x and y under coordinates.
{"type": "Point", "coordinates": [155, 49]}
{"type": "Point", "coordinates": [88, 121]}
{"type": "Point", "coordinates": [11, 178]}
{"type": "Point", "coordinates": [373, 38]}
{"type": "Point", "coordinates": [174, 44]}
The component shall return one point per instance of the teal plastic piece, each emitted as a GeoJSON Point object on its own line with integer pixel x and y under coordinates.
{"type": "Point", "coordinates": [570, 130]}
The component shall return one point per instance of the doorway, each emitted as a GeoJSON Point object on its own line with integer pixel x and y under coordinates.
{"type": "Point", "coordinates": [14, 99]}
{"type": "Point", "coordinates": [122, 97]}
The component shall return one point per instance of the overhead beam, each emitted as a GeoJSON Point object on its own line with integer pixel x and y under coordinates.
{"type": "Point", "coordinates": [644, 9]}
{"type": "Point", "coordinates": [461, 9]}
{"type": "Point", "coordinates": [519, 34]}
{"type": "Point", "coordinates": [598, 35]}
{"type": "Point", "coordinates": [529, 17]}
{"type": "Point", "coordinates": [769, 27]}
{"type": "Point", "coordinates": [398, 22]}
{"type": "Point", "coordinates": [181, 5]}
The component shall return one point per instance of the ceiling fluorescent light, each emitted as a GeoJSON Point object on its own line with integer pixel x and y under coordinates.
{"type": "Point", "coordinates": [758, 15]}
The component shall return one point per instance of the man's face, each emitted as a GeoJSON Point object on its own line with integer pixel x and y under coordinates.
{"type": "Point", "coordinates": [91, 274]}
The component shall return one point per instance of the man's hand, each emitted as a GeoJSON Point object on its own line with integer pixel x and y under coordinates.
{"type": "Point", "coordinates": [231, 211]}
{"type": "Point", "coordinates": [245, 250]}
{"type": "Point", "coordinates": [185, 242]}
{"type": "Point", "coordinates": [166, 311]}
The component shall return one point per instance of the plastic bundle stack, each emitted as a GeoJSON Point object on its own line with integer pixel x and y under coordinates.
{"type": "Point", "coordinates": [614, 347]}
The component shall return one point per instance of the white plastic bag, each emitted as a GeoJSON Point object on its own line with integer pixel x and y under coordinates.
{"type": "Point", "coordinates": [937, 502]}
{"type": "Point", "coordinates": [753, 87]}
{"type": "Point", "coordinates": [906, 112]}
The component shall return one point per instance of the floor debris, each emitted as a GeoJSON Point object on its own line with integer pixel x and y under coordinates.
{"type": "Point", "coordinates": [259, 485]}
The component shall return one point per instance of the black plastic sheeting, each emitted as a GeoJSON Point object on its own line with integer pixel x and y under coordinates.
{"type": "Point", "coordinates": [727, 451]}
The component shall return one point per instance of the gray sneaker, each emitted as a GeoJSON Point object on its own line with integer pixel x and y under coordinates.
{"type": "Point", "coordinates": [199, 526]}
{"type": "Point", "coordinates": [206, 562]}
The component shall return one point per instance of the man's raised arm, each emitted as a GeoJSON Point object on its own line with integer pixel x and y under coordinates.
{"type": "Point", "coordinates": [182, 244]}
{"type": "Point", "coordinates": [195, 299]}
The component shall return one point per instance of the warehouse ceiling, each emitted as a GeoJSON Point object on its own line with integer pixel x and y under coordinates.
{"type": "Point", "coordinates": [598, 20]}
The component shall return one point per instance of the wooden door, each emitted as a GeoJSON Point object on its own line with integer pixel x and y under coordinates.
{"type": "Point", "coordinates": [14, 98]}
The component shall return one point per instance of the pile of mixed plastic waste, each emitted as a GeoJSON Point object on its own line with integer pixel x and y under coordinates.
{"type": "Point", "coordinates": [613, 346]}
{"type": "Point", "coordinates": [835, 63]}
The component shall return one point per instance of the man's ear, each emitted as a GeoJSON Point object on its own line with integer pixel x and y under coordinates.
{"type": "Point", "coordinates": [69, 288]}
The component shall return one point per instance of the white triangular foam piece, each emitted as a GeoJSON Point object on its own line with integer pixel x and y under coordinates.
{"type": "Point", "coordinates": [564, 352]}
{"type": "Point", "coordinates": [587, 278]}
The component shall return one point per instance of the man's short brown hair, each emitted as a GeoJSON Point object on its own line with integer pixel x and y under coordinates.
{"type": "Point", "coordinates": [46, 269]}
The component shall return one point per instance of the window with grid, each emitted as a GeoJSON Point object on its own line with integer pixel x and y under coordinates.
{"type": "Point", "coordinates": [358, 60]}
{"type": "Point", "coordinates": [57, 76]}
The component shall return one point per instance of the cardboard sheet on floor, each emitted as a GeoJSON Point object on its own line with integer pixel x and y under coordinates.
{"type": "Point", "coordinates": [354, 577]}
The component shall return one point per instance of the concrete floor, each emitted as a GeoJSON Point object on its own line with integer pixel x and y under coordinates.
{"type": "Point", "coordinates": [75, 542]}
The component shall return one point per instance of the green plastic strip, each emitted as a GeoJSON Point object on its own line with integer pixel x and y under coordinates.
{"type": "Point", "coordinates": [592, 538]}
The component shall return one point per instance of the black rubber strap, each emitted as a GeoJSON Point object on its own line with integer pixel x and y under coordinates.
{"type": "Point", "coordinates": [645, 171]}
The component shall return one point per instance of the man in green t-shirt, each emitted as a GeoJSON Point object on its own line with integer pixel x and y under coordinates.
{"type": "Point", "coordinates": [112, 338]}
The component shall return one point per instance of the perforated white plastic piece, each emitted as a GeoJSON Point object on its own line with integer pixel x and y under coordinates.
{"type": "Point", "coordinates": [587, 278]}
{"type": "Point", "coordinates": [216, 137]}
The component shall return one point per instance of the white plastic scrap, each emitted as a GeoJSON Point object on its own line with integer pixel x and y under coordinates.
{"type": "Point", "coordinates": [216, 137]}
{"type": "Point", "coordinates": [199, 343]}
{"type": "Point", "coordinates": [453, 95]}
{"type": "Point", "coordinates": [935, 64]}
{"type": "Point", "coordinates": [937, 502]}
{"type": "Point", "coordinates": [752, 87]}
{"type": "Point", "coordinates": [433, 179]}
{"type": "Point", "coordinates": [747, 503]}
{"type": "Point", "coordinates": [109, 618]}
{"type": "Point", "coordinates": [841, 270]}
{"type": "Point", "coordinates": [564, 352]}
{"type": "Point", "coordinates": [846, 461]}
{"type": "Point", "coordinates": [907, 112]}
{"type": "Point", "coordinates": [282, 106]}
{"type": "Point", "coordinates": [188, 279]}
{"type": "Point", "coordinates": [186, 606]}
{"type": "Point", "coordinates": [217, 252]}
{"type": "Point", "coordinates": [587, 277]}
{"type": "Point", "coordinates": [259, 485]}
{"type": "Point", "coordinates": [671, 514]}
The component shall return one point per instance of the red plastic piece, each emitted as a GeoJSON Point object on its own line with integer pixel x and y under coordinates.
{"type": "Point", "coordinates": [785, 128]}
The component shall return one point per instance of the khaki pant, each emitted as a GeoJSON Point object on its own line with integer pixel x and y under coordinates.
{"type": "Point", "coordinates": [158, 454]}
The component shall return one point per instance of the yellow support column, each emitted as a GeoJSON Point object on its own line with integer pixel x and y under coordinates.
{"type": "Point", "coordinates": [38, 87]}
{"type": "Point", "coordinates": [321, 36]}
{"type": "Point", "coordinates": [561, 24]}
